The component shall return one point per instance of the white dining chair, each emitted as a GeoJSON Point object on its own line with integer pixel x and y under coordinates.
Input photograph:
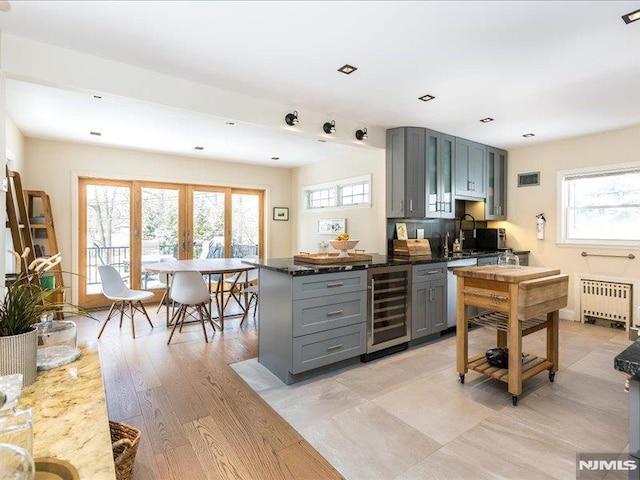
{"type": "Point", "coordinates": [114, 288]}
{"type": "Point", "coordinates": [189, 290]}
{"type": "Point", "coordinates": [237, 286]}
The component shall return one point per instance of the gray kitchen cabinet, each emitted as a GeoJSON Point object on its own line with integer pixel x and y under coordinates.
{"type": "Point", "coordinates": [310, 321]}
{"type": "Point", "coordinates": [440, 158]}
{"type": "Point", "coordinates": [496, 203]}
{"type": "Point", "coordinates": [405, 172]}
{"type": "Point", "coordinates": [470, 171]}
{"type": "Point", "coordinates": [428, 299]}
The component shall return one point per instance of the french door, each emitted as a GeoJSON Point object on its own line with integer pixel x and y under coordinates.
{"type": "Point", "coordinates": [130, 224]}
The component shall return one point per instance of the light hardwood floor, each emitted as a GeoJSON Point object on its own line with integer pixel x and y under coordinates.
{"type": "Point", "coordinates": [198, 419]}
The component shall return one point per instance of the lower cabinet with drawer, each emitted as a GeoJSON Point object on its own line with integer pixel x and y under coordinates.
{"type": "Point", "coordinates": [428, 299]}
{"type": "Point", "coordinates": [310, 321]}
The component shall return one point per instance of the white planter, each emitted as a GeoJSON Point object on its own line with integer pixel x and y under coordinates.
{"type": "Point", "coordinates": [19, 354]}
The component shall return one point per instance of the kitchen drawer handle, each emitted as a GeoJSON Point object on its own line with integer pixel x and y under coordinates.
{"type": "Point", "coordinates": [492, 296]}
{"type": "Point", "coordinates": [335, 312]}
{"type": "Point", "coordinates": [430, 272]}
{"type": "Point", "coordinates": [334, 347]}
{"type": "Point", "coordinates": [335, 284]}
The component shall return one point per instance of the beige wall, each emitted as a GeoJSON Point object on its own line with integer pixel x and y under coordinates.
{"type": "Point", "coordinates": [55, 167]}
{"type": "Point", "coordinates": [525, 203]}
{"type": "Point", "coordinates": [15, 146]}
{"type": "Point", "coordinates": [365, 224]}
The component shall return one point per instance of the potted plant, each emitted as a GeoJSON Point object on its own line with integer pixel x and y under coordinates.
{"type": "Point", "coordinates": [25, 302]}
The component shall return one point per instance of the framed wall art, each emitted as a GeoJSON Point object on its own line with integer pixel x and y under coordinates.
{"type": "Point", "coordinates": [332, 226]}
{"type": "Point", "coordinates": [281, 213]}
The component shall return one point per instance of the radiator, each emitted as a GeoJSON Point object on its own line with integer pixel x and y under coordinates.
{"type": "Point", "coordinates": [607, 301]}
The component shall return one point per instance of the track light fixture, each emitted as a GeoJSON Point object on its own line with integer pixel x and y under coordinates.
{"type": "Point", "coordinates": [291, 118]}
{"type": "Point", "coordinates": [362, 134]}
{"type": "Point", "coordinates": [329, 127]}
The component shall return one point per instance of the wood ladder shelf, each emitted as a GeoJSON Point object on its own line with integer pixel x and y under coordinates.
{"type": "Point", "coordinates": [18, 220]}
{"type": "Point", "coordinates": [45, 230]}
{"type": "Point", "coordinates": [21, 206]}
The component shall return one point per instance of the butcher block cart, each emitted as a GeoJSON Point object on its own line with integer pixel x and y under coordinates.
{"type": "Point", "coordinates": [516, 302]}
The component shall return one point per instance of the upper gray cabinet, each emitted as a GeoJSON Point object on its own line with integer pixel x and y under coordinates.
{"type": "Point", "coordinates": [496, 203]}
{"type": "Point", "coordinates": [470, 180]}
{"type": "Point", "coordinates": [405, 172]}
{"type": "Point", "coordinates": [440, 151]}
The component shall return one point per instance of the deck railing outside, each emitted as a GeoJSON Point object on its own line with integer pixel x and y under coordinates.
{"type": "Point", "coordinates": [119, 258]}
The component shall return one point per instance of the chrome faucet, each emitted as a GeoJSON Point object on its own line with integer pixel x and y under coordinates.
{"type": "Point", "coordinates": [462, 233]}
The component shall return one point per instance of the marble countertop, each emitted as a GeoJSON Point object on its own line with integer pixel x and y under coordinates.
{"type": "Point", "coordinates": [70, 419]}
{"type": "Point", "coordinates": [296, 268]}
{"type": "Point", "coordinates": [628, 361]}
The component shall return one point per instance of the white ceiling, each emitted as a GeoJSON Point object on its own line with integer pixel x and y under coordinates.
{"type": "Point", "coordinates": [558, 69]}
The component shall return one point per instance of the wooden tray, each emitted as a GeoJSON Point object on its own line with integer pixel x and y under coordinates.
{"type": "Point", "coordinates": [412, 248]}
{"type": "Point", "coordinates": [331, 258]}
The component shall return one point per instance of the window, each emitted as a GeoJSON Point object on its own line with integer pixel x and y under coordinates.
{"type": "Point", "coordinates": [601, 206]}
{"type": "Point", "coordinates": [350, 192]}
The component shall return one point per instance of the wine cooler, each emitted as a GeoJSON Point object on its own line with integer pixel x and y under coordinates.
{"type": "Point", "coordinates": [389, 322]}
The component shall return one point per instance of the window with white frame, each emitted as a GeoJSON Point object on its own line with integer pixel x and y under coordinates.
{"type": "Point", "coordinates": [350, 192]}
{"type": "Point", "coordinates": [601, 206]}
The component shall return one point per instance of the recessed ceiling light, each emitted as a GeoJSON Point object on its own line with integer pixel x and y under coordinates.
{"type": "Point", "coordinates": [198, 148]}
{"type": "Point", "coordinates": [487, 120]}
{"type": "Point", "coordinates": [97, 97]}
{"type": "Point", "coordinates": [527, 135]}
{"type": "Point", "coordinates": [275, 158]}
{"type": "Point", "coordinates": [426, 98]}
{"type": "Point", "coordinates": [631, 17]}
{"type": "Point", "coordinates": [230, 123]}
{"type": "Point", "coordinates": [347, 69]}
{"type": "Point", "coordinates": [96, 134]}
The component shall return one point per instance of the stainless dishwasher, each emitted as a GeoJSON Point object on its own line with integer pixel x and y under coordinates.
{"type": "Point", "coordinates": [451, 286]}
{"type": "Point", "coordinates": [389, 310]}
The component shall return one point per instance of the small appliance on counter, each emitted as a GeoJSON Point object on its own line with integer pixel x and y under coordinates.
{"type": "Point", "coordinates": [491, 239]}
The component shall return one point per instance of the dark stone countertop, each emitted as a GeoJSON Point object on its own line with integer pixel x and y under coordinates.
{"type": "Point", "coordinates": [628, 361]}
{"type": "Point", "coordinates": [295, 268]}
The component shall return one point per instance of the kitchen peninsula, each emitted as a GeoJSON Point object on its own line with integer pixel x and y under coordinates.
{"type": "Point", "coordinates": [314, 316]}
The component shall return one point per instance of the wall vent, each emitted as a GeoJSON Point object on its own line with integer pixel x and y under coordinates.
{"type": "Point", "coordinates": [528, 179]}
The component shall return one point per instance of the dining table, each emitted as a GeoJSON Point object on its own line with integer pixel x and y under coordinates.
{"type": "Point", "coordinates": [215, 269]}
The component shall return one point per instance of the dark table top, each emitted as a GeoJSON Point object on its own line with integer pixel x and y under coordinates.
{"type": "Point", "coordinates": [295, 268]}
{"type": "Point", "coordinates": [628, 361]}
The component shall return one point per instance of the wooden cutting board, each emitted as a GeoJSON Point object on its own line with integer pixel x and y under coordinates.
{"type": "Point", "coordinates": [505, 274]}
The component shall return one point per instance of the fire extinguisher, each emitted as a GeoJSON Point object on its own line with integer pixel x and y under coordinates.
{"type": "Point", "coordinates": [540, 225]}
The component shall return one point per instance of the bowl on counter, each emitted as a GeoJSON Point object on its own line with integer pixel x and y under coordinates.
{"type": "Point", "coordinates": [343, 246]}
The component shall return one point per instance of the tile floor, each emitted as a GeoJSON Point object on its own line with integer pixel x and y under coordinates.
{"type": "Point", "coordinates": [406, 416]}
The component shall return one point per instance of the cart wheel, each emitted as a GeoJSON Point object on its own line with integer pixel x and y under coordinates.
{"type": "Point", "coordinates": [461, 378]}
{"type": "Point", "coordinates": [514, 400]}
{"type": "Point", "coordinates": [552, 376]}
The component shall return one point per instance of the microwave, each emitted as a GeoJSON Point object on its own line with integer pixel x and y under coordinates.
{"type": "Point", "coordinates": [491, 238]}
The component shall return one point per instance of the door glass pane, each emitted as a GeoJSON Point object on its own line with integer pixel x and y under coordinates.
{"type": "Point", "coordinates": [108, 232]}
{"type": "Point", "coordinates": [491, 187]}
{"type": "Point", "coordinates": [208, 224]}
{"type": "Point", "coordinates": [447, 176]}
{"type": "Point", "coordinates": [159, 230]}
{"type": "Point", "coordinates": [245, 225]}
{"type": "Point", "coordinates": [432, 174]}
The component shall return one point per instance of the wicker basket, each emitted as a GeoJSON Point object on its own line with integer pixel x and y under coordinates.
{"type": "Point", "coordinates": [124, 440]}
